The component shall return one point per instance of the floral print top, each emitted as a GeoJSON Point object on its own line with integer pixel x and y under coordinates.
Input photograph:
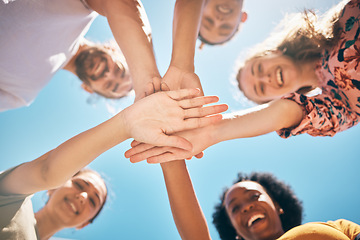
{"type": "Point", "coordinates": [337, 108]}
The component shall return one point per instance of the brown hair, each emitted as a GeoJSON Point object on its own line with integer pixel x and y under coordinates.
{"type": "Point", "coordinates": [301, 37]}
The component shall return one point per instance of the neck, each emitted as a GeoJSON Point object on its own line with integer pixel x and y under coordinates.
{"type": "Point", "coordinates": [46, 224]}
{"type": "Point", "coordinates": [70, 66]}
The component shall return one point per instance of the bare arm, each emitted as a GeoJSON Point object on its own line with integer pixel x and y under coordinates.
{"type": "Point", "coordinates": [127, 20]}
{"type": "Point", "coordinates": [147, 121]}
{"type": "Point", "coordinates": [186, 23]}
{"type": "Point", "coordinates": [249, 123]}
{"type": "Point", "coordinates": [188, 216]}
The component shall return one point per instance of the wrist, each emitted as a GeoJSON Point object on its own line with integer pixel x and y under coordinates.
{"type": "Point", "coordinates": [186, 66]}
{"type": "Point", "coordinates": [122, 124]}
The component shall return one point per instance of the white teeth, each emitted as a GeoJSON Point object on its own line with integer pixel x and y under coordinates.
{"type": "Point", "coordinates": [279, 77]}
{"type": "Point", "coordinates": [73, 207]}
{"type": "Point", "coordinates": [255, 217]}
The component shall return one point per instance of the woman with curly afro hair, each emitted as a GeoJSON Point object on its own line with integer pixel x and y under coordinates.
{"type": "Point", "coordinates": [257, 207]}
{"type": "Point", "coordinates": [260, 198]}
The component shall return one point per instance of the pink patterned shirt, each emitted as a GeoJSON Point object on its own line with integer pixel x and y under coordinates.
{"type": "Point", "coordinates": [337, 108]}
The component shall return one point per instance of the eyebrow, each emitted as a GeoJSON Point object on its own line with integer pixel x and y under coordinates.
{"type": "Point", "coordinates": [225, 30]}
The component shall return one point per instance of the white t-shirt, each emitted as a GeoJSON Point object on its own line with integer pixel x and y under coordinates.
{"type": "Point", "coordinates": [37, 38]}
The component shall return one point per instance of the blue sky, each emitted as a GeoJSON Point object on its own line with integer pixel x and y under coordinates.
{"type": "Point", "coordinates": [323, 171]}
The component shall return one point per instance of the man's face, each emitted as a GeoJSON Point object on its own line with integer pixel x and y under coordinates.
{"type": "Point", "coordinates": [106, 75]}
{"type": "Point", "coordinates": [221, 19]}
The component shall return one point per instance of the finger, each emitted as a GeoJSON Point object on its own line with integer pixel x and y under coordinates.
{"type": "Point", "coordinates": [149, 89]}
{"type": "Point", "coordinates": [166, 157]}
{"type": "Point", "coordinates": [198, 102]}
{"type": "Point", "coordinates": [204, 111]}
{"type": "Point", "coordinates": [134, 143]}
{"type": "Point", "coordinates": [199, 155]}
{"type": "Point", "coordinates": [157, 83]}
{"type": "Point", "coordinates": [164, 87]}
{"type": "Point", "coordinates": [192, 123]}
{"type": "Point", "coordinates": [147, 154]}
{"type": "Point", "coordinates": [137, 149]}
{"type": "Point", "coordinates": [183, 93]}
{"type": "Point", "coordinates": [173, 141]}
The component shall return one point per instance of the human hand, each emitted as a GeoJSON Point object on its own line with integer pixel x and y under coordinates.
{"type": "Point", "coordinates": [153, 86]}
{"type": "Point", "coordinates": [200, 139]}
{"type": "Point", "coordinates": [152, 119]}
{"type": "Point", "coordinates": [176, 78]}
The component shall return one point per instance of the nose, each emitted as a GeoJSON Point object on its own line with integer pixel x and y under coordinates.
{"type": "Point", "coordinates": [82, 197]}
{"type": "Point", "coordinates": [219, 17]}
{"type": "Point", "coordinates": [265, 79]}
{"type": "Point", "coordinates": [247, 208]}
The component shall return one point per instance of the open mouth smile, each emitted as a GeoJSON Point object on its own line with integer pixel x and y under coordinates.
{"type": "Point", "coordinates": [279, 77]}
{"type": "Point", "coordinates": [254, 219]}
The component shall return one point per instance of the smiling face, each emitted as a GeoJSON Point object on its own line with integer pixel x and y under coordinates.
{"type": "Point", "coordinates": [105, 74]}
{"type": "Point", "coordinates": [270, 77]}
{"type": "Point", "coordinates": [221, 19]}
{"type": "Point", "coordinates": [252, 212]}
{"type": "Point", "coordinates": [78, 200]}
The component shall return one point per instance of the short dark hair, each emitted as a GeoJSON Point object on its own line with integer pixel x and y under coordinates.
{"type": "Point", "coordinates": [85, 170]}
{"type": "Point", "coordinates": [279, 192]}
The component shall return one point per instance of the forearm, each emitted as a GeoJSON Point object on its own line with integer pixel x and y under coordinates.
{"type": "Point", "coordinates": [186, 23]}
{"type": "Point", "coordinates": [127, 22]}
{"type": "Point", "coordinates": [187, 213]}
{"type": "Point", "coordinates": [257, 121]}
{"type": "Point", "coordinates": [60, 164]}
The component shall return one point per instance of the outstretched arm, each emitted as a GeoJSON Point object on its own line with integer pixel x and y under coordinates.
{"type": "Point", "coordinates": [188, 216]}
{"type": "Point", "coordinates": [186, 24]}
{"type": "Point", "coordinates": [249, 123]}
{"type": "Point", "coordinates": [131, 30]}
{"type": "Point", "coordinates": [148, 120]}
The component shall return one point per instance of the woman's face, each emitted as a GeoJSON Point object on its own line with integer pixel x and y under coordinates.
{"type": "Point", "coordinates": [221, 19]}
{"type": "Point", "coordinates": [107, 76]}
{"type": "Point", "coordinates": [269, 77]}
{"type": "Point", "coordinates": [252, 212]}
{"type": "Point", "coordinates": [78, 200]}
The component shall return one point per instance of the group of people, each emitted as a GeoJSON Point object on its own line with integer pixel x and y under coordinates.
{"type": "Point", "coordinates": [305, 79]}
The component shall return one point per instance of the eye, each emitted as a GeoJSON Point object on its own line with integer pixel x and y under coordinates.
{"type": "Point", "coordinates": [209, 20]}
{"type": "Point", "coordinates": [235, 209]}
{"type": "Point", "coordinates": [92, 202]}
{"type": "Point", "coordinates": [255, 196]}
{"type": "Point", "coordinates": [260, 69]}
{"type": "Point", "coordinates": [262, 88]}
{"type": "Point", "coordinates": [78, 185]}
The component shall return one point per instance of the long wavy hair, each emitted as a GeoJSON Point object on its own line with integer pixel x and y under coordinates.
{"type": "Point", "coordinates": [302, 37]}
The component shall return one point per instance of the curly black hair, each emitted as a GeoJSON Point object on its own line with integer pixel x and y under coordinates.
{"type": "Point", "coordinates": [279, 192]}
